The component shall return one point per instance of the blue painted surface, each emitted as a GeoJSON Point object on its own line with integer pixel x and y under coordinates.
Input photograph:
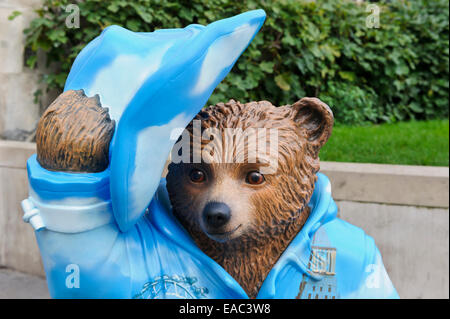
{"type": "Point", "coordinates": [52, 185]}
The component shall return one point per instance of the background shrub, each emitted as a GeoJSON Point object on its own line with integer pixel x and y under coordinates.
{"type": "Point", "coordinates": [321, 48]}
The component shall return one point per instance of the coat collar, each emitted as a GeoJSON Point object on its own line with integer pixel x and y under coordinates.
{"type": "Point", "coordinates": [297, 254]}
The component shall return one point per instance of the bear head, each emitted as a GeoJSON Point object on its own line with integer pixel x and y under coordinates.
{"type": "Point", "coordinates": [248, 170]}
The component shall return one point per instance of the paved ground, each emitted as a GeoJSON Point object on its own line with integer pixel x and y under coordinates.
{"type": "Point", "coordinates": [16, 285]}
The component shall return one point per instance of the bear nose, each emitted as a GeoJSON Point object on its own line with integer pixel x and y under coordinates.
{"type": "Point", "coordinates": [216, 214]}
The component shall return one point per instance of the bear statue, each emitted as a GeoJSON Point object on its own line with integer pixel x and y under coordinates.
{"type": "Point", "coordinates": [255, 226]}
{"type": "Point", "coordinates": [243, 210]}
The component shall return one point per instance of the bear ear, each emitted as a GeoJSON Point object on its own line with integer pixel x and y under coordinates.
{"type": "Point", "coordinates": [314, 116]}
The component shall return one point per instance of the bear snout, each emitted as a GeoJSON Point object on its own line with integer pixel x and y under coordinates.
{"type": "Point", "coordinates": [216, 215]}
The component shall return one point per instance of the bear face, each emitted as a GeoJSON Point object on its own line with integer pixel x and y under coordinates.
{"type": "Point", "coordinates": [242, 203]}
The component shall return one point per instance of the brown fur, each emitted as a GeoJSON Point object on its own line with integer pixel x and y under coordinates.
{"type": "Point", "coordinates": [74, 134]}
{"type": "Point", "coordinates": [278, 210]}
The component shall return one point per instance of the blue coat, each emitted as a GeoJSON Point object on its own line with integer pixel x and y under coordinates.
{"type": "Point", "coordinates": [86, 255]}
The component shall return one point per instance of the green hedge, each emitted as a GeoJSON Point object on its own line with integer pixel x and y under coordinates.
{"type": "Point", "coordinates": [322, 48]}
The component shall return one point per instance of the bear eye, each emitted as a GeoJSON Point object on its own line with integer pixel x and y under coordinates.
{"type": "Point", "coordinates": [255, 178]}
{"type": "Point", "coordinates": [197, 176]}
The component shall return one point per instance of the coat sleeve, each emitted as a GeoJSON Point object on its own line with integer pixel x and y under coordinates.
{"type": "Point", "coordinates": [83, 252]}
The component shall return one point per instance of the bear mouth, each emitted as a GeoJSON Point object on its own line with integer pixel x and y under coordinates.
{"type": "Point", "coordinates": [223, 235]}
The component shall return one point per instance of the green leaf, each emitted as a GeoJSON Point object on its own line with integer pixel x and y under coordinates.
{"type": "Point", "coordinates": [349, 76]}
{"type": "Point", "coordinates": [133, 25]}
{"type": "Point", "coordinates": [14, 15]}
{"type": "Point", "coordinates": [31, 61]}
{"type": "Point", "coordinates": [401, 69]}
{"type": "Point", "coordinates": [267, 67]}
{"type": "Point", "coordinates": [282, 82]}
{"type": "Point", "coordinates": [113, 7]}
{"type": "Point", "coordinates": [416, 107]}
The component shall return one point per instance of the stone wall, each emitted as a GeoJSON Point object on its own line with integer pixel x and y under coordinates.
{"type": "Point", "coordinates": [18, 247]}
{"type": "Point", "coordinates": [405, 209]}
{"type": "Point", "coordinates": [413, 242]}
{"type": "Point", "coordinates": [18, 112]}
